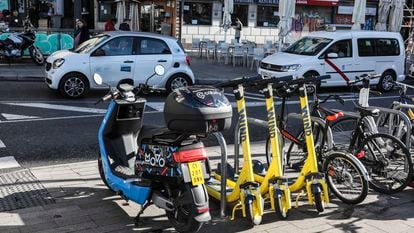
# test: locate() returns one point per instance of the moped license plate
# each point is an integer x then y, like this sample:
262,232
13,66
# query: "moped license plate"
196,173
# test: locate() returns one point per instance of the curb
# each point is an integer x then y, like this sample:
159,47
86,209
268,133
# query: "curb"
22,78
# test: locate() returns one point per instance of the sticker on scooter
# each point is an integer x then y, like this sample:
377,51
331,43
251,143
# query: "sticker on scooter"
306,121
242,126
272,122
155,158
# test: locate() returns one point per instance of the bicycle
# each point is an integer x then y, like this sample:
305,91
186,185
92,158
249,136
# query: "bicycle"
345,175
385,156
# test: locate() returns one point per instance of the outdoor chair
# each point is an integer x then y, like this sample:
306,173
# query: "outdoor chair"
195,45
211,48
223,51
250,52
258,56
238,52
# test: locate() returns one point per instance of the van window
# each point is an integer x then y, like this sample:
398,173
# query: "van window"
343,48
387,47
308,46
366,47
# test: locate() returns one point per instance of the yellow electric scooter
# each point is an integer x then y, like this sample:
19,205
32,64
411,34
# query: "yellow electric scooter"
243,192
309,177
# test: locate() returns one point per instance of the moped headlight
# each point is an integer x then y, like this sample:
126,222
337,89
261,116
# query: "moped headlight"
58,63
289,68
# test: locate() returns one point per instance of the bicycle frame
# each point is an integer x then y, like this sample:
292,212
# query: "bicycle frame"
245,183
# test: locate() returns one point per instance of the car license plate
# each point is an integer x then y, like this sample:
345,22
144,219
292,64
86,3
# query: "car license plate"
196,173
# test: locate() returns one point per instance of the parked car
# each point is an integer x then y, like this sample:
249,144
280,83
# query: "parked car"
119,55
343,55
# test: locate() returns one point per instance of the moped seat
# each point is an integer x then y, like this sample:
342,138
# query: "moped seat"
367,111
158,134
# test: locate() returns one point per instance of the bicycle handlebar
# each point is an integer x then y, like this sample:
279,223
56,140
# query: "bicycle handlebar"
237,81
312,79
363,77
275,80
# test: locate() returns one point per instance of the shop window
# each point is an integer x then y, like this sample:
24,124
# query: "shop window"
241,12
267,16
120,46
343,48
366,47
153,46
197,13
107,10
389,47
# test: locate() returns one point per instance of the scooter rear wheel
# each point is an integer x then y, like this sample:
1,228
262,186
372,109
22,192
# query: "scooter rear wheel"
102,174
183,216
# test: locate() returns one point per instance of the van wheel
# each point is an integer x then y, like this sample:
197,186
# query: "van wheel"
385,83
73,85
177,81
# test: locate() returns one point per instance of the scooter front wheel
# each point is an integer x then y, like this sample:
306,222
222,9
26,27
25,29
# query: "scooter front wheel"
281,212
251,217
317,198
102,174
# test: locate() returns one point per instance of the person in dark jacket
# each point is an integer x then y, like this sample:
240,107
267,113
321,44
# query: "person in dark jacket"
14,20
125,25
81,33
34,16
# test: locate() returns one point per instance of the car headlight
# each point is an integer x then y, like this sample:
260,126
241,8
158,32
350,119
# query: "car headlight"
58,63
288,68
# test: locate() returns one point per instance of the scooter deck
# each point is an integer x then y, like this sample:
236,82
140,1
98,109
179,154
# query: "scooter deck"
216,186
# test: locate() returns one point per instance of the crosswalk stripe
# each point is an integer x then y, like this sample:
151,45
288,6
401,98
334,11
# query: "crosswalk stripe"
12,117
8,162
60,107
2,144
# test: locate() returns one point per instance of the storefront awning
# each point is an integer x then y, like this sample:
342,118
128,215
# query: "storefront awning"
318,2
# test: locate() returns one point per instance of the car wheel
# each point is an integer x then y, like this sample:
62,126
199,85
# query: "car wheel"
385,83
177,81
73,85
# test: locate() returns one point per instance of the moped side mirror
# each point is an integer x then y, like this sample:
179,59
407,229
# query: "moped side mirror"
159,70
97,79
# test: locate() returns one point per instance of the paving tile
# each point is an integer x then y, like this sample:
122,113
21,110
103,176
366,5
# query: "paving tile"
38,227
394,226
9,230
71,228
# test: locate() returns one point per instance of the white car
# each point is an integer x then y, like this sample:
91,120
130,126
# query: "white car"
119,56
343,55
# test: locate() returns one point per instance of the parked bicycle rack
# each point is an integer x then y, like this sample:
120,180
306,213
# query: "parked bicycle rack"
223,198
398,106
264,124
392,113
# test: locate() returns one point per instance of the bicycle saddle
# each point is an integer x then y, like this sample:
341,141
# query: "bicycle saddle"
367,111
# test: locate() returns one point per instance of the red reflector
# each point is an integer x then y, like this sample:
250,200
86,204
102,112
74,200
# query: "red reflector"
361,154
202,210
335,116
184,156
187,59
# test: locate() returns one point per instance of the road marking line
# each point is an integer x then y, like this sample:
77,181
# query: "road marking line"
8,162
60,107
159,106
2,144
17,117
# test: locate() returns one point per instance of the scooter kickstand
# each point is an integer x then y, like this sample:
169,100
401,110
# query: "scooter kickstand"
136,219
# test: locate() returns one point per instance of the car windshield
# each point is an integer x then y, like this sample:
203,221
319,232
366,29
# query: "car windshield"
88,45
308,46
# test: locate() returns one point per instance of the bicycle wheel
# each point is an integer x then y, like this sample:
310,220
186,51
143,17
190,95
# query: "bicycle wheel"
297,154
387,160
342,131
345,177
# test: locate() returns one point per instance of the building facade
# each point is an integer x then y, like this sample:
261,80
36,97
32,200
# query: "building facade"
203,18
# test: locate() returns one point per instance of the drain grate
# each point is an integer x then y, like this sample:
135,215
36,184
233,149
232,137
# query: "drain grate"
20,189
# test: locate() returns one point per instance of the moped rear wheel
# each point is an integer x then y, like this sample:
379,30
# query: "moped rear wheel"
183,215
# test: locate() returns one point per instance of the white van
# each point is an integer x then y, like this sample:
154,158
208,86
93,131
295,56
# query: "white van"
343,55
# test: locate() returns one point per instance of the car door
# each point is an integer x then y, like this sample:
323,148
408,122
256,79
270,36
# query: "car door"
339,62
365,60
114,60
151,52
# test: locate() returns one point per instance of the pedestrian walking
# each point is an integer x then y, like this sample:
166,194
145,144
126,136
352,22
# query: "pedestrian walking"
238,29
34,16
110,25
50,13
125,25
81,33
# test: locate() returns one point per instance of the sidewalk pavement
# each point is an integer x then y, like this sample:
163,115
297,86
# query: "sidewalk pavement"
79,202
206,72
